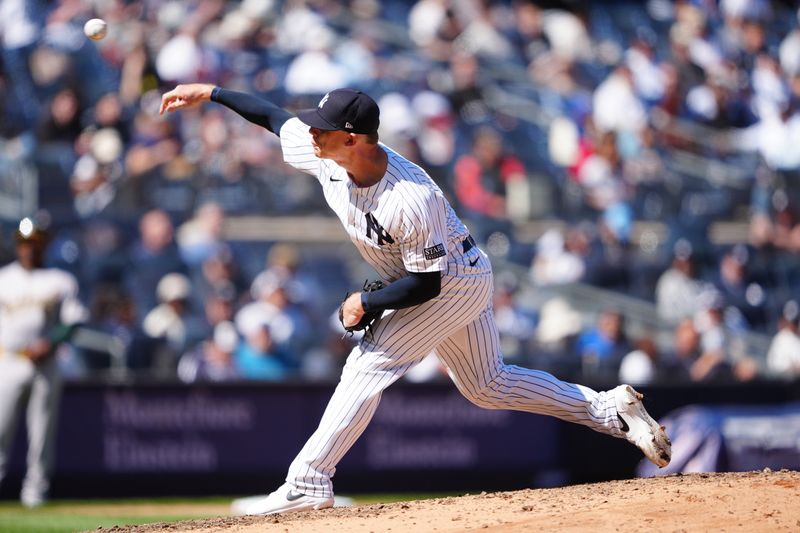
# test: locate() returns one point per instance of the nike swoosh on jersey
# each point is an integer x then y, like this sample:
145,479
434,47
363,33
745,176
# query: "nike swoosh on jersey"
334,179
472,263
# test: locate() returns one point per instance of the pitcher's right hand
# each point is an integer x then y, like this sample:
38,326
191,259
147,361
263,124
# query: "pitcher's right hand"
185,96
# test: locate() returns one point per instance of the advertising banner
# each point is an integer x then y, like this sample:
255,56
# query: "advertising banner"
109,430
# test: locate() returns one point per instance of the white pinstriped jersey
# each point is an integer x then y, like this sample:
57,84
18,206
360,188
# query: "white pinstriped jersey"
404,224
401,224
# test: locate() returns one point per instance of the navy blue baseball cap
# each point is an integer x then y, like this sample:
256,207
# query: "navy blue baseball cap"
343,109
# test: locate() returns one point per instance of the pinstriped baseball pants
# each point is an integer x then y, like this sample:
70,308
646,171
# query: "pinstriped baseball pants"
459,326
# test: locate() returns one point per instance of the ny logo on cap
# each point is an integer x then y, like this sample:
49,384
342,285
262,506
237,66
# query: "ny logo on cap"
324,99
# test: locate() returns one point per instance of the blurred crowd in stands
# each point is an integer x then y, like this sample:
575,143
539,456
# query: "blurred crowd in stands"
647,148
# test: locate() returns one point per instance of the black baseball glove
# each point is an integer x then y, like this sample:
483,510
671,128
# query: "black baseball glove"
368,318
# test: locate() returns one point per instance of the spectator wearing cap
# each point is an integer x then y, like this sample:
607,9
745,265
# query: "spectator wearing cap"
298,297
678,288
94,179
283,260
212,359
169,321
783,356
289,325
258,357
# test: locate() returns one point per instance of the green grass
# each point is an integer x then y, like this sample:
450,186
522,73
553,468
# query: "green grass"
68,516
46,522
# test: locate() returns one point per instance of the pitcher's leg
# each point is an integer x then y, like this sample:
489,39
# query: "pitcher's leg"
346,417
399,341
473,357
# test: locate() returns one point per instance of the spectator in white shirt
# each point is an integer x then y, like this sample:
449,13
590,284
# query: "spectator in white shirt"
783,356
678,289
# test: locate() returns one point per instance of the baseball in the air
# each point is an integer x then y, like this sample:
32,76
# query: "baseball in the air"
95,29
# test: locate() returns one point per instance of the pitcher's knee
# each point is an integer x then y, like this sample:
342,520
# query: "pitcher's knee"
485,397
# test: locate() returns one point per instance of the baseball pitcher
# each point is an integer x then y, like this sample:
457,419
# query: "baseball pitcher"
436,292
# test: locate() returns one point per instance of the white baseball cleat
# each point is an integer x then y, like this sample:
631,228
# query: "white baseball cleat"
639,427
31,500
284,500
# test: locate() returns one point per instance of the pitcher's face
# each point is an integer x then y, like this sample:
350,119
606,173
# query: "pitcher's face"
329,144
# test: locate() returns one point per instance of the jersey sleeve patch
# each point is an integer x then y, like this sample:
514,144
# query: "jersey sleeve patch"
434,252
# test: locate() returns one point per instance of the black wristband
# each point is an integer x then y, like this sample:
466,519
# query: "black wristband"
214,93
365,301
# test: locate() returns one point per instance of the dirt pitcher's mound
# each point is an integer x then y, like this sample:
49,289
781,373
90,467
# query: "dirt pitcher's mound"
750,501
